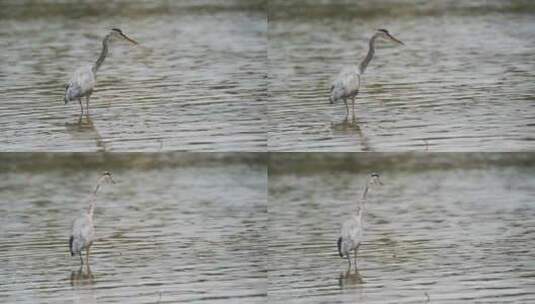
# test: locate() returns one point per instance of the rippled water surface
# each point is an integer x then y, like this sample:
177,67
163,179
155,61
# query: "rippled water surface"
432,235
463,82
165,234
196,82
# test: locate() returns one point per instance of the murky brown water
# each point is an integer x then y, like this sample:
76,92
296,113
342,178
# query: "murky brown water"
460,230
196,82
463,82
167,232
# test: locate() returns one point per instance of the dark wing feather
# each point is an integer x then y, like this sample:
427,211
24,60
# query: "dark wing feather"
70,245
340,247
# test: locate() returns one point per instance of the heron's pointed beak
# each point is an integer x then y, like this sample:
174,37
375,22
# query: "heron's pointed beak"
396,40
111,180
378,181
129,39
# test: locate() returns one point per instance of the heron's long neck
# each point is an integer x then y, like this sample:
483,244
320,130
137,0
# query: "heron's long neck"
365,193
91,208
362,203
371,51
103,54
93,198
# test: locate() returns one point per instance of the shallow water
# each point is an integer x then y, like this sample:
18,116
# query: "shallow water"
196,82
432,235
462,82
165,234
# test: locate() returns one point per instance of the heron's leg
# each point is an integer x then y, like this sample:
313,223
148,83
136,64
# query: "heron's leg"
87,104
347,107
81,106
87,250
353,104
81,259
356,251
349,261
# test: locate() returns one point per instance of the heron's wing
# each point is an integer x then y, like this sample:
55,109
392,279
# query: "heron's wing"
337,89
351,83
346,83
350,227
82,232
350,235
73,90
82,82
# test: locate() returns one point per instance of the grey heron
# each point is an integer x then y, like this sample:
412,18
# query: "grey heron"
351,232
83,80
83,229
347,84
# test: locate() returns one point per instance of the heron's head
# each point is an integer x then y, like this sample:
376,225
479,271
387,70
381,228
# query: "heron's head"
386,35
117,33
106,176
375,180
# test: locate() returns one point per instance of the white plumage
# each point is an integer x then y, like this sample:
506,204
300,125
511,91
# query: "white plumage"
350,235
82,233
81,84
346,84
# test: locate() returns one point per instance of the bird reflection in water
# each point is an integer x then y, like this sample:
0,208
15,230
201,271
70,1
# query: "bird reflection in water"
84,129
352,126
84,122
82,282
348,279
347,125
82,278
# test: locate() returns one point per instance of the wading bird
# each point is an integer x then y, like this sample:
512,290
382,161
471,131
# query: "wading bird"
83,229
351,232
347,83
84,78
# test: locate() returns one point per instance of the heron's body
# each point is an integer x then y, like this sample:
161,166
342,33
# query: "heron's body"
83,228
346,85
81,84
83,80
350,235
82,235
